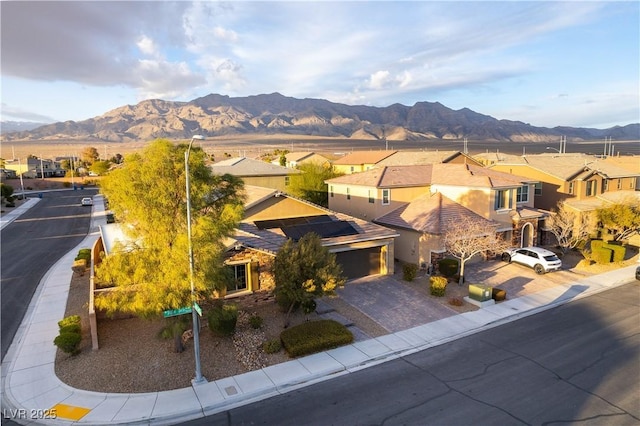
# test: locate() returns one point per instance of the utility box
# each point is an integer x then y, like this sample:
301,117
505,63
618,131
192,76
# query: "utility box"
479,292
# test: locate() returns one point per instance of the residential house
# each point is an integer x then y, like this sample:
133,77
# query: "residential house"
359,161
35,167
578,179
295,159
271,217
256,172
408,158
8,174
387,193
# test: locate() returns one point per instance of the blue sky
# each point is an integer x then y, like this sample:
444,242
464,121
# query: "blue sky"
544,63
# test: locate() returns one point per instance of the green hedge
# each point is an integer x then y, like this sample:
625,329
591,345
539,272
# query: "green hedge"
409,271
601,255
315,336
618,251
448,267
437,286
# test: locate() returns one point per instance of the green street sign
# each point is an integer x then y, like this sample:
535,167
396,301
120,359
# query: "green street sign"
176,312
197,308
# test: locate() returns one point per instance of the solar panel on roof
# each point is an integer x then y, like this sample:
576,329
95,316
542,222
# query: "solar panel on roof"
291,221
323,229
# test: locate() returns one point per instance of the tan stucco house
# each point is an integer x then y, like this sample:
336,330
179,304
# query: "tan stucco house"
255,172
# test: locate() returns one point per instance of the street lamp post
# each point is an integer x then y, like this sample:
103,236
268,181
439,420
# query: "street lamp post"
555,149
196,326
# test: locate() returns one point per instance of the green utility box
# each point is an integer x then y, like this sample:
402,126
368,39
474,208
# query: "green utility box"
480,292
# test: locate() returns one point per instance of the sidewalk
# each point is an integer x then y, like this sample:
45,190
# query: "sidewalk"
30,386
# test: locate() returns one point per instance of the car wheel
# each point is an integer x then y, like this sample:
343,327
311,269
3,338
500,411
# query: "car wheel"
506,257
539,269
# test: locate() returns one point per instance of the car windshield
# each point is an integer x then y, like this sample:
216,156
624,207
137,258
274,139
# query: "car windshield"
551,258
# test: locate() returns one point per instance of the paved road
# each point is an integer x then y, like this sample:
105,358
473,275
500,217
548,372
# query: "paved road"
577,363
31,245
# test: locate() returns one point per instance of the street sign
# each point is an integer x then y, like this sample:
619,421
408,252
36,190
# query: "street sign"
176,312
197,308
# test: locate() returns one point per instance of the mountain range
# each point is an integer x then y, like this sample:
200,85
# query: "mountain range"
277,115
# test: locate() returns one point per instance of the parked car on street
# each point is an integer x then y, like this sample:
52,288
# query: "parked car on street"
86,201
541,260
638,273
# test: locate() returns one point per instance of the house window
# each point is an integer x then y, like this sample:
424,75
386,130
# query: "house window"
571,189
331,191
502,200
538,188
591,188
522,196
286,181
238,278
348,194
619,183
352,169
370,192
605,185
386,195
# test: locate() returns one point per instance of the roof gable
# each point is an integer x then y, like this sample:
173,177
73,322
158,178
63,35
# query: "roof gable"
243,166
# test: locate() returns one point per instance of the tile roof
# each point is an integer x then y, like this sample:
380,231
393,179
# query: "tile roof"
567,166
428,213
431,174
474,176
242,166
407,158
270,240
604,200
363,157
389,177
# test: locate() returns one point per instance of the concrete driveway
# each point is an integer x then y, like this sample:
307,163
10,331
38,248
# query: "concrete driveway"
396,306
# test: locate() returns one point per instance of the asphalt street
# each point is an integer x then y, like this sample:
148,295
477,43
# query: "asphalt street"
31,245
577,363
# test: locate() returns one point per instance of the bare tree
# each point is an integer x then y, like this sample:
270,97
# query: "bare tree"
468,236
568,226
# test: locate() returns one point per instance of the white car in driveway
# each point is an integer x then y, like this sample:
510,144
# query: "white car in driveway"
539,259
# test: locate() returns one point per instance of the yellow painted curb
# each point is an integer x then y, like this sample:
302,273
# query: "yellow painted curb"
69,411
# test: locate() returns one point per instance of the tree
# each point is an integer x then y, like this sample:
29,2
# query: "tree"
467,236
151,271
100,167
621,219
569,227
89,155
303,271
309,185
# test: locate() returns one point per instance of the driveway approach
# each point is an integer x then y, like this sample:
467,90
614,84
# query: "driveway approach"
391,303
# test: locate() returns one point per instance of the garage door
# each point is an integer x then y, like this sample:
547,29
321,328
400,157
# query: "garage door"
360,263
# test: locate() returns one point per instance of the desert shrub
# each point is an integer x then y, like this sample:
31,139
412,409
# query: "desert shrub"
498,294
84,253
255,321
456,301
437,286
409,271
68,342
71,328
223,319
272,346
448,267
79,266
70,320
315,336
66,184
596,244
70,335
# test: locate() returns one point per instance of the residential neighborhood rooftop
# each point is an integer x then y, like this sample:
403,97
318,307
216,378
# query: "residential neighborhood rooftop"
242,166
363,157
